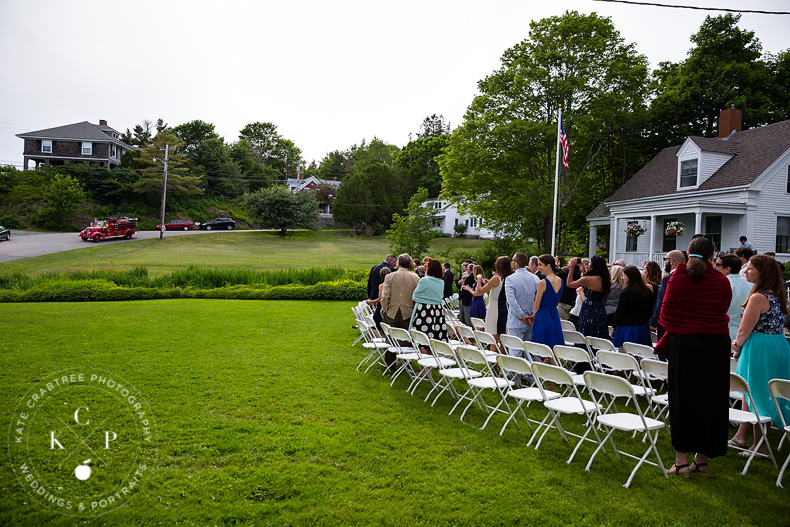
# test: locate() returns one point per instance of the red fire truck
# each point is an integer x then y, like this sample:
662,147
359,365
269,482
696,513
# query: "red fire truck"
110,228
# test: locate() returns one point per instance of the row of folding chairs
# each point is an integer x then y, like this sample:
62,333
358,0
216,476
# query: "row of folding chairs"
476,359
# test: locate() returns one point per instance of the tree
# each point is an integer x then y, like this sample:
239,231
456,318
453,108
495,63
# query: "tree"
433,126
179,182
269,149
724,67
335,165
499,164
418,160
62,197
370,196
375,152
193,133
412,233
276,207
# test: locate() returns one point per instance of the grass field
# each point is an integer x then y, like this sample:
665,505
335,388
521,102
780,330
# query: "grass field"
238,249
261,419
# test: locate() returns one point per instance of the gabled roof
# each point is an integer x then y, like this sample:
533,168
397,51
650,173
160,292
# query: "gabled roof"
301,184
753,151
83,131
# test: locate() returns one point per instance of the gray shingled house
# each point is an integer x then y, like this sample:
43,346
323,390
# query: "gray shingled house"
736,184
79,142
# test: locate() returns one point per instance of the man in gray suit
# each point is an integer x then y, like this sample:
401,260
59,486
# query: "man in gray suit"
520,290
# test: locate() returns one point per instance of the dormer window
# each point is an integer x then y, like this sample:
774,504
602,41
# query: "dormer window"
688,173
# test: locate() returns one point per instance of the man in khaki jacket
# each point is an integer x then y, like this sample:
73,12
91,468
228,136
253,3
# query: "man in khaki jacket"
396,302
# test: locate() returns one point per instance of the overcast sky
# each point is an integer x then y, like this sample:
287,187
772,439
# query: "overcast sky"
327,74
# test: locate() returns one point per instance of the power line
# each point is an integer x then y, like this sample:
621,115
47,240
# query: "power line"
699,8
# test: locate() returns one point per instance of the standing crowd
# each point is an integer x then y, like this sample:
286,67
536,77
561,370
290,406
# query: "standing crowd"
705,309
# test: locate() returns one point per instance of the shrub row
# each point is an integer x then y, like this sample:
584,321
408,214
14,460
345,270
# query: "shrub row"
97,290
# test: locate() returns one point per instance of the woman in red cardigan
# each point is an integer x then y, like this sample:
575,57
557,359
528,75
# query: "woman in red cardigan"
697,344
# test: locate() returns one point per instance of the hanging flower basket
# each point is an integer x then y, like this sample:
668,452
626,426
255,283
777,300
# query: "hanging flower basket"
634,229
674,228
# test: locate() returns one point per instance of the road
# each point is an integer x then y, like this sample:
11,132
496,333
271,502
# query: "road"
27,244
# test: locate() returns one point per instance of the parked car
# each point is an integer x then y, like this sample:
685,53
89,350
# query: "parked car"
5,234
177,225
218,224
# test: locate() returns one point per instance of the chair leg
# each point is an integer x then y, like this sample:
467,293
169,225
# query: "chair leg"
781,472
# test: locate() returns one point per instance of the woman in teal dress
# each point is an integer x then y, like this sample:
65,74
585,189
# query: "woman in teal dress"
760,345
547,328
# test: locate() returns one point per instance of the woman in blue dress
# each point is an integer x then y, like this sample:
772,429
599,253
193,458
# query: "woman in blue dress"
760,346
547,328
632,317
596,285
478,307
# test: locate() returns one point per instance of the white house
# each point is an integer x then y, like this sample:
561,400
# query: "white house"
446,217
735,185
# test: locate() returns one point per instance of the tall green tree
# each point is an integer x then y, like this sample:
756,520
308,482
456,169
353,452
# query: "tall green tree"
179,181
419,160
276,207
499,164
370,196
335,165
413,231
270,150
375,152
433,126
62,197
725,66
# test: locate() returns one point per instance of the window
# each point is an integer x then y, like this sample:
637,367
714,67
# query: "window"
670,242
783,234
456,221
46,145
713,229
631,242
87,149
788,179
114,151
688,173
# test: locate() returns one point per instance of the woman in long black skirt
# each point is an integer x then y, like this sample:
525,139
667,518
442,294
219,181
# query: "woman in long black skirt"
694,314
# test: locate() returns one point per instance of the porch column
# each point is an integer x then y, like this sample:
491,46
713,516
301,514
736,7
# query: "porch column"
698,223
593,240
652,235
613,239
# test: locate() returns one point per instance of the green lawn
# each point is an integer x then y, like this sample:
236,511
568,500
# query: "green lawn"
247,250
261,419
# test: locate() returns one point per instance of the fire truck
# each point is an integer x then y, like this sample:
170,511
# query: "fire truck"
111,228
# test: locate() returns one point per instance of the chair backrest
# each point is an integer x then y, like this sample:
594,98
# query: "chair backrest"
370,321
733,365
550,373
399,334
511,341
780,389
608,384
421,339
599,344
466,333
567,324
616,361
638,350
541,350
442,348
573,337
513,364
477,323
655,368
738,384
470,354
485,339
570,354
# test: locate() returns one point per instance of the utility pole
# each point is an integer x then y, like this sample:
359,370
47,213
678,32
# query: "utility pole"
164,193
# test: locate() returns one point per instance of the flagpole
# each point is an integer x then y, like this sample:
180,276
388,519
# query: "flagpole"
556,184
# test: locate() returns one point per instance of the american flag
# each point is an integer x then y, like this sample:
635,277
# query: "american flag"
564,143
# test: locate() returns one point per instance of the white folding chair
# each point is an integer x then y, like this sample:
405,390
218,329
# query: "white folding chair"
627,364
567,324
518,366
511,342
616,387
570,356
541,351
448,373
484,342
472,359
427,361
478,323
376,345
573,404
739,384
573,337
657,370
466,334
596,343
780,393
403,353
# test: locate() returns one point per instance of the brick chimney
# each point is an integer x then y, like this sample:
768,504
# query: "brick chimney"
730,120
102,122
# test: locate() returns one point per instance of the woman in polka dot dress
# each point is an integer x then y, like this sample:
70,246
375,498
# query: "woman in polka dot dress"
427,315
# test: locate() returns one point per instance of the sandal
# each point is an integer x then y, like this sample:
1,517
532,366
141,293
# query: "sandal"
675,469
696,467
734,443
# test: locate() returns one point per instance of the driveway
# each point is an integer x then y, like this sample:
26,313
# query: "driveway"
26,244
